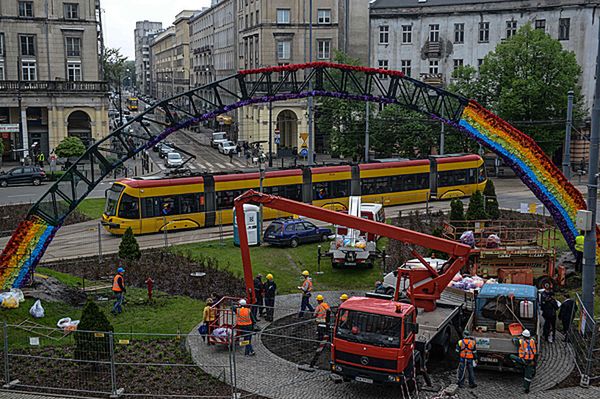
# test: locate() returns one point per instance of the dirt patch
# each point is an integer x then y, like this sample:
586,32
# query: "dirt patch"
49,289
12,215
170,272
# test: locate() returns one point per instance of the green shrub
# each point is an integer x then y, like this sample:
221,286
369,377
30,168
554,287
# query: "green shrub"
129,249
92,338
70,147
491,201
476,209
457,210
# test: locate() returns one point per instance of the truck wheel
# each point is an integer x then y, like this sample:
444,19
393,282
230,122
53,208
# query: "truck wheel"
294,242
409,376
545,282
324,237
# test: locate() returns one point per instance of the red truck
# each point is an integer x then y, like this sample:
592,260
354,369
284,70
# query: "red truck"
379,338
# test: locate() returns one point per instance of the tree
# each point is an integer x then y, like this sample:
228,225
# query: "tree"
113,65
525,81
491,201
457,210
129,249
70,147
88,344
476,210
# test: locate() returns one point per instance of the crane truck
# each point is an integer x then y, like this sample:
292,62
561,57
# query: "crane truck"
379,338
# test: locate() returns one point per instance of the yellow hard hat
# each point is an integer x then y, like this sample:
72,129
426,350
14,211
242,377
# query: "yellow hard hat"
344,297
319,297
269,276
305,273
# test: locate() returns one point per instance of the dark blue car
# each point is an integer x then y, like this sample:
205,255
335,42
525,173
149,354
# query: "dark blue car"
293,232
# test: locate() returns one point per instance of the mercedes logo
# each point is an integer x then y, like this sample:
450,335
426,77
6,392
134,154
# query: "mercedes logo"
364,360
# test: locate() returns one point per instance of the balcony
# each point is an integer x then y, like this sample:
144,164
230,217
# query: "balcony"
54,86
433,49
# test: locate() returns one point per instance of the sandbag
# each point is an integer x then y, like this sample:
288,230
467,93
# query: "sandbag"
10,302
37,310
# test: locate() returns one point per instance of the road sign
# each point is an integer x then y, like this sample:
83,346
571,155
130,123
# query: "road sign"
304,153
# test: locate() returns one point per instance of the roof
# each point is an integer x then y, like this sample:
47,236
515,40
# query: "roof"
381,4
518,290
375,305
148,183
457,158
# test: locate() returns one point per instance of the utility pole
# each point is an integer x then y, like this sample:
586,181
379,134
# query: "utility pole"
311,133
22,115
270,134
367,105
442,139
566,164
589,246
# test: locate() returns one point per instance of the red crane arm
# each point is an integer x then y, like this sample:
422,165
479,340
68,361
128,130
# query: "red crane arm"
454,249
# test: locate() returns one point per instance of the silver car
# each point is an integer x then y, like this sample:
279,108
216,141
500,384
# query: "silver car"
173,160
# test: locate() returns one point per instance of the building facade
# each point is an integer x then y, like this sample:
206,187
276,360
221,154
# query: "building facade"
50,78
143,34
429,39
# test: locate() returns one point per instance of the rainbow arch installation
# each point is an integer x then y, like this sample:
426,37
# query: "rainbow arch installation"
319,79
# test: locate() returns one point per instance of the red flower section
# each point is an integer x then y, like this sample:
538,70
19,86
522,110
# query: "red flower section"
296,67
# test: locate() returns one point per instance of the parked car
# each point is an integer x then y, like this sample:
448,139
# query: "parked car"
227,147
23,175
173,160
293,232
164,150
218,137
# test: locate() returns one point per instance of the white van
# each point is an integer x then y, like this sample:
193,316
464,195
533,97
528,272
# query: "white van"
218,137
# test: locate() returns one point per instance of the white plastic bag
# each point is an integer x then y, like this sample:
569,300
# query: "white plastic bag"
18,294
37,310
67,324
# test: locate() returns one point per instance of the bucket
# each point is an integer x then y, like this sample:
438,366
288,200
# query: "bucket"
515,329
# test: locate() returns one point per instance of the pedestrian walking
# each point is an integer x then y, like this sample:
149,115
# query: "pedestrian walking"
321,313
566,312
270,292
579,241
526,359
119,290
259,292
306,289
245,323
230,157
209,315
467,351
238,150
549,308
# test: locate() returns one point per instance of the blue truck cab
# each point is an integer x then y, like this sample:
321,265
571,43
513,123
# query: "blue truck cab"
497,308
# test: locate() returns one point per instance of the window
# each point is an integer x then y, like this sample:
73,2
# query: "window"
434,66
323,49
292,191
331,189
290,228
129,207
457,177
2,77
405,67
324,16
564,25
71,10
384,34
484,32
458,63
225,198
74,72
511,28
459,33
257,19
2,45
383,64
408,325
284,50
392,184
479,62
434,33
283,16
406,34
27,45
73,45
26,9
540,24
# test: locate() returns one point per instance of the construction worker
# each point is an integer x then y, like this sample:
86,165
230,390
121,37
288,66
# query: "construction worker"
270,292
566,313
306,289
549,308
467,351
259,291
343,298
244,322
379,287
321,316
526,358
41,158
119,291
579,240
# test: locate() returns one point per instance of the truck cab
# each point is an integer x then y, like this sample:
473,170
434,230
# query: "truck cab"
501,313
373,341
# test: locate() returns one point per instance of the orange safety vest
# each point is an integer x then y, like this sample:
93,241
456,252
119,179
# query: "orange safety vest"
321,312
467,347
115,286
307,285
243,317
527,349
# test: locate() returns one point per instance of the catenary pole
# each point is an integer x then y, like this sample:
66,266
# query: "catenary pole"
566,164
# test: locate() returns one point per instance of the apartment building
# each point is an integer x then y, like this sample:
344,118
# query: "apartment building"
143,35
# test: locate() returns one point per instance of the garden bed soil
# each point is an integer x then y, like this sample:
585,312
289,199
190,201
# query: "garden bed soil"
12,215
171,273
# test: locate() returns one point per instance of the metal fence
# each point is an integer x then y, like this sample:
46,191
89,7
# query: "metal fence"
583,334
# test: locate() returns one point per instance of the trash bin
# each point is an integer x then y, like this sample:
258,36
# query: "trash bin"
253,225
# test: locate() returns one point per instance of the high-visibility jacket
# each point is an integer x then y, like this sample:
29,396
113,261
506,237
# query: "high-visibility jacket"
41,157
527,349
321,312
243,317
116,286
579,243
307,285
467,348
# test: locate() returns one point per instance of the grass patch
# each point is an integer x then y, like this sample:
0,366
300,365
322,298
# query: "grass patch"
92,207
285,264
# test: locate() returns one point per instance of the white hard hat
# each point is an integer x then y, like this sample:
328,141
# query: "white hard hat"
526,333
243,302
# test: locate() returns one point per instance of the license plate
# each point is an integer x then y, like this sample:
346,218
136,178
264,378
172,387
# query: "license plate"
271,236
488,359
350,263
365,380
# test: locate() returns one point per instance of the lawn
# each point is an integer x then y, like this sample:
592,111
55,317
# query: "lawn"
286,265
92,207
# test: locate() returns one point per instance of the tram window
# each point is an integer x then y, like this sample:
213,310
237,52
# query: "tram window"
455,177
150,207
292,191
321,191
188,203
331,189
225,198
129,207
169,206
